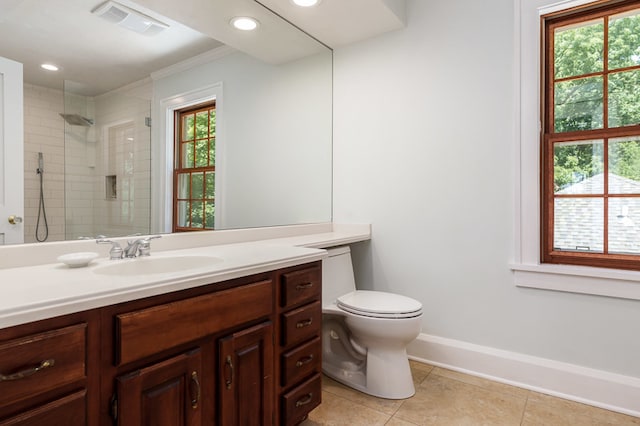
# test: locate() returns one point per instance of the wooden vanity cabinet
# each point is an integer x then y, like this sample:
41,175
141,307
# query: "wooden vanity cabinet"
245,383
169,356
240,352
45,372
299,350
167,393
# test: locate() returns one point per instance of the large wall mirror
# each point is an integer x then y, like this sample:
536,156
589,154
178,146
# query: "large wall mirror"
99,134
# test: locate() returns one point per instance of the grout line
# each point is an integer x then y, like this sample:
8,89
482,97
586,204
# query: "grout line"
526,403
497,391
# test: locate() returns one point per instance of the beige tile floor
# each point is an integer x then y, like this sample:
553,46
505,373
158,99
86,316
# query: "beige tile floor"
445,397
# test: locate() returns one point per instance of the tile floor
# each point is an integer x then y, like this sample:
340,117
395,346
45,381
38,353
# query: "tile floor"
445,397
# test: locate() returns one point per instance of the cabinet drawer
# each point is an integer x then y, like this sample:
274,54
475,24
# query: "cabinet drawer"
300,362
41,362
70,410
300,286
153,330
301,324
297,403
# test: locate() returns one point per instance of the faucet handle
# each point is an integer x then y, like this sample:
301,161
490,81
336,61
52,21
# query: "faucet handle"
116,251
144,249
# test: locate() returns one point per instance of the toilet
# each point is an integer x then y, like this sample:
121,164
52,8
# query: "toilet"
365,333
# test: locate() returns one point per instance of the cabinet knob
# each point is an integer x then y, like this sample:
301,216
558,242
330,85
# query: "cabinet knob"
28,372
304,286
195,390
304,360
229,364
304,323
304,400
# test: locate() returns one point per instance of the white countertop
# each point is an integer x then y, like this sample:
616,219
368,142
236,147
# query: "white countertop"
49,289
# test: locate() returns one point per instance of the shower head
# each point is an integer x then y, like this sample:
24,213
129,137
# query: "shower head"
77,120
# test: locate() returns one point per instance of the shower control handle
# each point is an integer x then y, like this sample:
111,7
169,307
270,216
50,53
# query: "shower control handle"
40,163
14,220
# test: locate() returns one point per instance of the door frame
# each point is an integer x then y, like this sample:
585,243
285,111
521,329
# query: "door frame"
12,155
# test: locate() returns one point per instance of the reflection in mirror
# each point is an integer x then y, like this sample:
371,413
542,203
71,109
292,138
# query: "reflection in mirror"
107,163
106,135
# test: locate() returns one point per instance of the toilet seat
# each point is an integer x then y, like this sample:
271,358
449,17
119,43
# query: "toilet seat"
379,304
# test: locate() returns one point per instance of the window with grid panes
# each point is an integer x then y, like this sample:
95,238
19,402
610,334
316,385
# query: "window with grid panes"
194,174
591,136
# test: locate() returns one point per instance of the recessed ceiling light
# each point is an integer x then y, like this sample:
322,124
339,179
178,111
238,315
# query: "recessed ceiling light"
49,67
244,23
305,3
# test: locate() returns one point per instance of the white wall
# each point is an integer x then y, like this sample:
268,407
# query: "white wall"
423,150
277,128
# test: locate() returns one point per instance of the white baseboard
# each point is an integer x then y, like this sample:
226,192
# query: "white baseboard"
599,388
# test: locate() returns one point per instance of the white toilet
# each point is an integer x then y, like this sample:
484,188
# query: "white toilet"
365,333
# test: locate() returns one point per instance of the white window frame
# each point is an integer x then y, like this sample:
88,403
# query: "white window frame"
526,266
162,164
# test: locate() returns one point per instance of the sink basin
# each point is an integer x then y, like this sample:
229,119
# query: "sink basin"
156,265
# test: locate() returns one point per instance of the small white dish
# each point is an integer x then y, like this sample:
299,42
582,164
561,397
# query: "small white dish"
78,260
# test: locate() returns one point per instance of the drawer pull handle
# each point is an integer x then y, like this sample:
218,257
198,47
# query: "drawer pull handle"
304,361
195,390
304,286
304,400
304,323
28,372
229,364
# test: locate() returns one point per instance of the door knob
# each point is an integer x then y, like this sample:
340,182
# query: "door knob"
14,220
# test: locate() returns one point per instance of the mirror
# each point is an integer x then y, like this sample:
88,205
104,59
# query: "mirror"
273,98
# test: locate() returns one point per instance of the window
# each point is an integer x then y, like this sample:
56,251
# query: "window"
194,174
590,209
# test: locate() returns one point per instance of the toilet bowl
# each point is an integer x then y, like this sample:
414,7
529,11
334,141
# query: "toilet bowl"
365,333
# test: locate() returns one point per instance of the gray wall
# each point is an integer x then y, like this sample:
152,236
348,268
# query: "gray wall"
424,150
277,136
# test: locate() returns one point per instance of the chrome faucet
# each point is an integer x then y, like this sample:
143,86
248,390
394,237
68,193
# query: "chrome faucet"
139,247
116,251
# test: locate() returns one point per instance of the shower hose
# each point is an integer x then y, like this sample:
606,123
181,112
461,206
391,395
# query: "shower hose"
41,212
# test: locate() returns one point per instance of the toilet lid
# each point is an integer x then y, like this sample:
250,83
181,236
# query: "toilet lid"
379,304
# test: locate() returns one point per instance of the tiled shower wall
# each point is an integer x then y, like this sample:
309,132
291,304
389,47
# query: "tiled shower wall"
43,132
80,160
88,211
125,155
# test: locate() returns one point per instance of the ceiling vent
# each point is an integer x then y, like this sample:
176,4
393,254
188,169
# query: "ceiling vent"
128,18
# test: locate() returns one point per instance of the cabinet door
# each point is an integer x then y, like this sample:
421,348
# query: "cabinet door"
164,394
246,377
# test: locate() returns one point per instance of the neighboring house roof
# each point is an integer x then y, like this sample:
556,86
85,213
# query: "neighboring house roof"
578,223
595,185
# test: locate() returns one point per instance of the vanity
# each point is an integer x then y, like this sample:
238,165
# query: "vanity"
234,343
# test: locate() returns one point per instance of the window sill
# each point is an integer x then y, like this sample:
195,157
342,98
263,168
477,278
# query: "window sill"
579,279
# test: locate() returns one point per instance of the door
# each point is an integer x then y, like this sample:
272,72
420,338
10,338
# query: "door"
246,377
164,394
11,153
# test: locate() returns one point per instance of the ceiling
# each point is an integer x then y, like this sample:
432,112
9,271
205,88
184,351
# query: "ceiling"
340,22
99,56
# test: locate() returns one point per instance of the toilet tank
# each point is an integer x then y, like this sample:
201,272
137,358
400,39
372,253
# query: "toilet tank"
337,274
